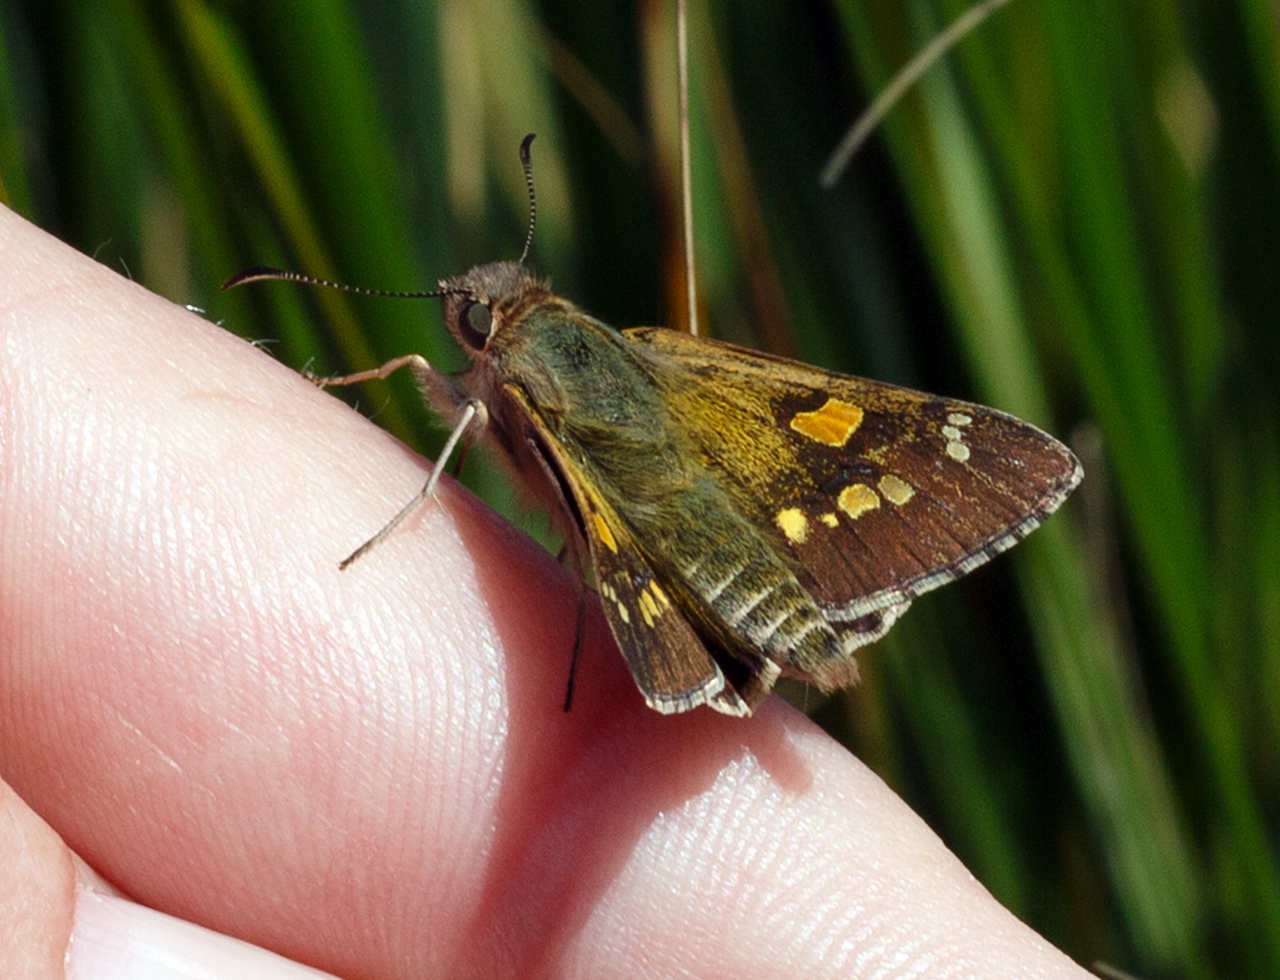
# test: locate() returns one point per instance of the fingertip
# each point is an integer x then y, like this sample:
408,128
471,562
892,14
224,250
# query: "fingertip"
37,882
115,939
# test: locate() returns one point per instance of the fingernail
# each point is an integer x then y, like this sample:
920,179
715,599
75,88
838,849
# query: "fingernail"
115,939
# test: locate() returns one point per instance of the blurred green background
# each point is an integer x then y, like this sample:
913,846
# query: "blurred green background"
1074,218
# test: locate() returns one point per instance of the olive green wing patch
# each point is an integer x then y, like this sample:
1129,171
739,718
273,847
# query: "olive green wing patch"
672,667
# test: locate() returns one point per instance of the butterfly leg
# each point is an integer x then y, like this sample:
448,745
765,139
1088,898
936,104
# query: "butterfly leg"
426,376
577,647
416,363
460,459
565,556
472,412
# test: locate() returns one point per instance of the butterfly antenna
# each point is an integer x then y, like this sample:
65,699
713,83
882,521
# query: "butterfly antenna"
263,273
526,161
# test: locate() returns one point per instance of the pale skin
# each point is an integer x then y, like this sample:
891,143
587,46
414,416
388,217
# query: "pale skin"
369,770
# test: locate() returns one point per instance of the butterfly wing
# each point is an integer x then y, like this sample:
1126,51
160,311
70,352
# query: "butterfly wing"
670,663
877,492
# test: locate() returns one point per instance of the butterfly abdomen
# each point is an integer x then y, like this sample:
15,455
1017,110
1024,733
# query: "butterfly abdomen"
744,596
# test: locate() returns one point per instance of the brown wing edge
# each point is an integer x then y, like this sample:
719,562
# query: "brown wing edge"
900,596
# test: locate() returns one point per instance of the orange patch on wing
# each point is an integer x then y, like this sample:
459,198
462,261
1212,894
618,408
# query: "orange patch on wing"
832,424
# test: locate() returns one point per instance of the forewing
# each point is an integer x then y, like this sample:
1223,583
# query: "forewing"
670,664
879,493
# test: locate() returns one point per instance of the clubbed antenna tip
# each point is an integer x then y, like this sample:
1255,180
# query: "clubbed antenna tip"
526,161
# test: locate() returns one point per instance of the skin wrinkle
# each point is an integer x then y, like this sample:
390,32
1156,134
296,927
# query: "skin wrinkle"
800,940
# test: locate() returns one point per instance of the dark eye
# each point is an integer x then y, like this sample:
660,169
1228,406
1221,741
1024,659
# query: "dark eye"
475,324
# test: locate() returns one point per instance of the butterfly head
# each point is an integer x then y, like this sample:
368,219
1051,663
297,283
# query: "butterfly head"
488,301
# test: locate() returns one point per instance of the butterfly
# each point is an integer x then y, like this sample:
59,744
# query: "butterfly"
742,516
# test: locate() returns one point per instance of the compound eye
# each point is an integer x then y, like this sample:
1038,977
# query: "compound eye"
476,324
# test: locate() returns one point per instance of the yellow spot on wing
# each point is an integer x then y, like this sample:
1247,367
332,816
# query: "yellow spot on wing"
648,608
792,523
603,532
830,520
659,596
857,499
895,490
958,451
831,425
